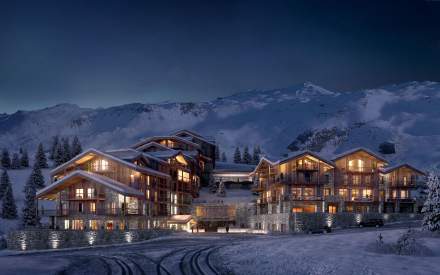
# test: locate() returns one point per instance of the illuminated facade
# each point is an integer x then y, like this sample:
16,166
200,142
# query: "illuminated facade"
355,181
140,187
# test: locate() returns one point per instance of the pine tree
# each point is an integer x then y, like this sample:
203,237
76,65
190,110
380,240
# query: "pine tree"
9,209
4,183
66,150
247,158
76,147
224,159
221,191
24,160
256,155
37,177
30,214
431,207
237,155
53,147
217,152
15,164
59,155
6,160
40,157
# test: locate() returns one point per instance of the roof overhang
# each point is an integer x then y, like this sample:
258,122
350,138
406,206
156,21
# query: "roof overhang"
49,192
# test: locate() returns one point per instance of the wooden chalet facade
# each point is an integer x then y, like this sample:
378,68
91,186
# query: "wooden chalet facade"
355,181
139,187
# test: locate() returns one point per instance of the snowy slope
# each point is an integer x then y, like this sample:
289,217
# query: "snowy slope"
407,114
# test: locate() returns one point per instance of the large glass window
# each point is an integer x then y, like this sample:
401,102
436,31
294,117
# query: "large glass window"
367,193
79,193
403,194
100,165
308,192
90,193
92,207
296,192
343,192
183,176
77,224
356,179
354,194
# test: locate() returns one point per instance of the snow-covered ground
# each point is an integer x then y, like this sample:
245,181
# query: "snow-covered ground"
18,180
337,253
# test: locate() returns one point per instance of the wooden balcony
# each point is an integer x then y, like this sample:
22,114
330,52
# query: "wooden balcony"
305,198
307,167
97,212
401,183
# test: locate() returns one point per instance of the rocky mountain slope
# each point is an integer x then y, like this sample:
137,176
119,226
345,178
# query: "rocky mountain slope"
298,117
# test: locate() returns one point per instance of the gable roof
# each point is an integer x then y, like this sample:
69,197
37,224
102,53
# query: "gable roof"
262,160
154,138
306,152
194,134
152,144
129,154
107,182
352,151
390,169
95,152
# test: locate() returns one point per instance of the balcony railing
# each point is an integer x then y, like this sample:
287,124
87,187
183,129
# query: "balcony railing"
305,198
98,212
401,183
311,166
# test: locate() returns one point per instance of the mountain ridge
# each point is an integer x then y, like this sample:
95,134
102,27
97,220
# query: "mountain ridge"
404,114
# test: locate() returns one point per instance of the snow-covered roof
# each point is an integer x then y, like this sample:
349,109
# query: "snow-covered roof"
152,144
107,182
303,153
93,151
352,151
154,138
267,159
389,169
131,154
233,167
194,134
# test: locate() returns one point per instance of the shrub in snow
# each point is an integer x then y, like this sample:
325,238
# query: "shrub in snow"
9,209
24,159
407,244
237,155
431,207
15,164
5,160
40,157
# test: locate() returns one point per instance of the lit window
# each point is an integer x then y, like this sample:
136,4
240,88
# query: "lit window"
343,192
356,179
403,194
77,224
100,165
354,194
296,192
308,192
79,193
394,194
183,176
148,193
93,224
332,209
66,224
405,180
92,207
367,193
90,192
327,192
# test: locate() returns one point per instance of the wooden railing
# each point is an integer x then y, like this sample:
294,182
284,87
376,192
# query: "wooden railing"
99,212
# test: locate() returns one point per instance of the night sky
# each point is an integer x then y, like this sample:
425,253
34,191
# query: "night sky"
103,53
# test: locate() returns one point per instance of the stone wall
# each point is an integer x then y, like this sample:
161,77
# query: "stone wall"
302,222
55,239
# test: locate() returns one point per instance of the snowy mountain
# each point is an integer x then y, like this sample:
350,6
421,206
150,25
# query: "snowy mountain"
302,116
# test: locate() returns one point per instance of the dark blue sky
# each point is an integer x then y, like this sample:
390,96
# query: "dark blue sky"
101,53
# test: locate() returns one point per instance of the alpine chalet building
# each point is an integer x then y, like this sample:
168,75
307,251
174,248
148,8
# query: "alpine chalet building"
139,187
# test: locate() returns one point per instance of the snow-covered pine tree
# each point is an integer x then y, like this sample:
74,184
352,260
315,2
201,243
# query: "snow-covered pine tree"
6,160
9,209
15,164
431,207
247,158
4,183
53,147
37,177
224,159
256,155
67,152
221,191
30,214
237,155
59,155
40,157
217,152
24,159
76,147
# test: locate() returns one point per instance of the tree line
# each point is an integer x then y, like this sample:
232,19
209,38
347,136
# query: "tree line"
239,157
60,152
